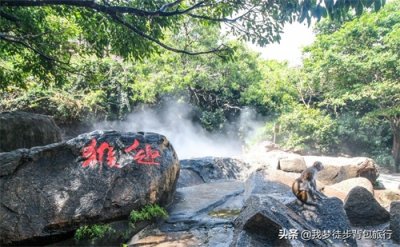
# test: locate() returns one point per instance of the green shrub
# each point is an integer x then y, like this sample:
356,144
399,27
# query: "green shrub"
148,213
92,232
307,129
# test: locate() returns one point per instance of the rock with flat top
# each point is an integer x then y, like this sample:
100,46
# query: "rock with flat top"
292,163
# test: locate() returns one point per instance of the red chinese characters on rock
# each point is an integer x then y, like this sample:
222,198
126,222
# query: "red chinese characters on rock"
94,155
144,156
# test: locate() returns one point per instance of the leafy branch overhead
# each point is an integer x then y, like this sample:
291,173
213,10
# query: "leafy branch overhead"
135,28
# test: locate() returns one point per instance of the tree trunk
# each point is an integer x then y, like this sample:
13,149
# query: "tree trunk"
395,124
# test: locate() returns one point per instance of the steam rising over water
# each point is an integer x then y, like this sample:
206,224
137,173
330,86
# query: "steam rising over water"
174,120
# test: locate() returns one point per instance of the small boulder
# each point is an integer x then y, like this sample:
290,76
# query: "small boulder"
362,209
26,130
395,220
94,178
292,163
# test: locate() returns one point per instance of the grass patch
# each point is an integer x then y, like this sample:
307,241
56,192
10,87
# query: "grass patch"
92,232
148,213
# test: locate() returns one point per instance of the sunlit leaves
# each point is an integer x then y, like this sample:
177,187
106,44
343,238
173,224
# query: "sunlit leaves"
357,66
48,36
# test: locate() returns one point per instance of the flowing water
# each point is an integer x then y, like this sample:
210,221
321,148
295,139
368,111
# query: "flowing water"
390,181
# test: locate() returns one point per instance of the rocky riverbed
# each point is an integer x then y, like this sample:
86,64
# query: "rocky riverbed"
49,191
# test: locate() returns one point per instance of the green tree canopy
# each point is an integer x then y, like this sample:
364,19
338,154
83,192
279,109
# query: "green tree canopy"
36,36
357,69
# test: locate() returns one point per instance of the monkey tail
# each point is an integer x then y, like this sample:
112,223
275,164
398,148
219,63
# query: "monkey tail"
296,189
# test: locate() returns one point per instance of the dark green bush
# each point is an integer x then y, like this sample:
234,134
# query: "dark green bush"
92,232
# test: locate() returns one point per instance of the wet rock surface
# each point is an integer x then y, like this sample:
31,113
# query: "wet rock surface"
201,215
237,213
209,169
96,177
261,183
26,130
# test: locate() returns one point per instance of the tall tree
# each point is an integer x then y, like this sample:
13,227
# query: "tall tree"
358,69
37,35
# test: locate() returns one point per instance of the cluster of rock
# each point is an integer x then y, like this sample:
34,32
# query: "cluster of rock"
226,202
255,211
101,176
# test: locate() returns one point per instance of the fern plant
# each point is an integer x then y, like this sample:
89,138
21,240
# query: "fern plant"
92,232
148,213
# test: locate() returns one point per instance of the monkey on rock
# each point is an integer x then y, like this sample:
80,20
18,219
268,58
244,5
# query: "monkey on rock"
305,187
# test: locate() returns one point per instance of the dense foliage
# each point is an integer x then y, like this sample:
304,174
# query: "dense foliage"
357,70
42,38
79,65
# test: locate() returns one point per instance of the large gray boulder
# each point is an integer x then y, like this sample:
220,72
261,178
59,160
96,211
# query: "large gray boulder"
270,208
26,130
96,177
263,221
362,209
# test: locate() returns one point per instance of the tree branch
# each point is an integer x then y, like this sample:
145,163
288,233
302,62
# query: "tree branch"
169,5
232,107
209,18
148,37
18,40
91,4
114,12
